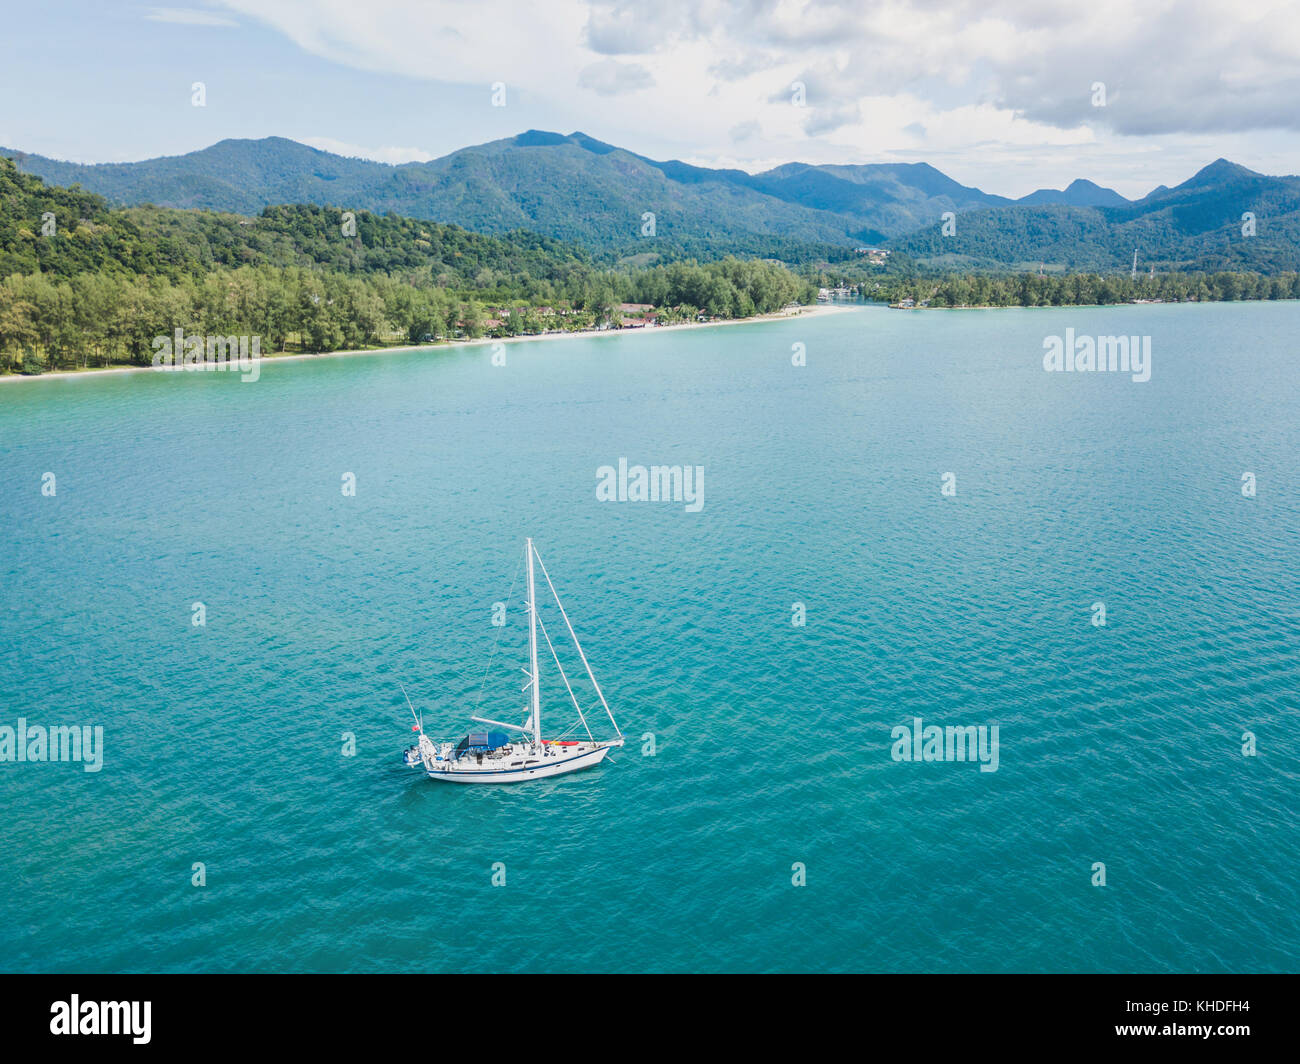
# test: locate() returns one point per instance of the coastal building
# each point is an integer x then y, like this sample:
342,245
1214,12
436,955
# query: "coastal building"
638,315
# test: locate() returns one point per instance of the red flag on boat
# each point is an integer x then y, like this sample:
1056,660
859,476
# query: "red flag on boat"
415,727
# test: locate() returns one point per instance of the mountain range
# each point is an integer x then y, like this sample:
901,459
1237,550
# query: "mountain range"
623,205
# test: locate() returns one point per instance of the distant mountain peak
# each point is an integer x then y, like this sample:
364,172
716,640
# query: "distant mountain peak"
1217,173
545,138
537,138
1078,193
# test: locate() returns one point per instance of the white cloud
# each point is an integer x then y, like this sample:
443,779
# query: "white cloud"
985,79
391,155
609,77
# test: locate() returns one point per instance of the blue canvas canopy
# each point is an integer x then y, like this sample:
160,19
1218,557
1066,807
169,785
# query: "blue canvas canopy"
477,741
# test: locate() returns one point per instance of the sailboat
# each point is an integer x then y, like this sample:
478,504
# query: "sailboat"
516,753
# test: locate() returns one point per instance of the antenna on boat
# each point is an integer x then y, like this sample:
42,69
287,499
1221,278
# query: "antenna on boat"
419,721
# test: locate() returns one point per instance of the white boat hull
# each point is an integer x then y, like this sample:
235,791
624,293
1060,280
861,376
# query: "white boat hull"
518,769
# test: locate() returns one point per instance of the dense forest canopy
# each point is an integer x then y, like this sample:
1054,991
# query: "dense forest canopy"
983,289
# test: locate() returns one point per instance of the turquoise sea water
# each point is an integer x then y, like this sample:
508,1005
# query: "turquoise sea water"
223,743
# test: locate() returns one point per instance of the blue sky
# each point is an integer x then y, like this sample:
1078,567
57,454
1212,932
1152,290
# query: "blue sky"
106,83
997,93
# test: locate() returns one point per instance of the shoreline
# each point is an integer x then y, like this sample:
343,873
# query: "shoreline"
803,312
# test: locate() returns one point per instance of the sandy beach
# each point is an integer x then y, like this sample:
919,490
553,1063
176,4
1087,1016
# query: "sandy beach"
805,312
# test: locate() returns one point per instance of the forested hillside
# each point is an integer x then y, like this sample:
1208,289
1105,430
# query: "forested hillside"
85,285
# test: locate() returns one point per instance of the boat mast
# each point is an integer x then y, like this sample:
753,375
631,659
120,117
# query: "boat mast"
532,650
